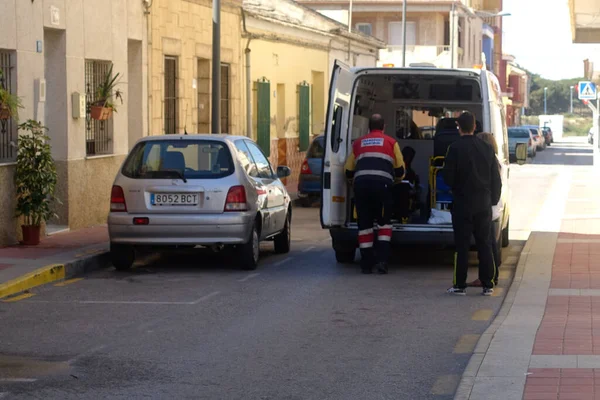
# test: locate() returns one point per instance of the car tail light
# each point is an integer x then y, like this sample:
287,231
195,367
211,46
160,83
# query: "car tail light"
530,142
236,199
305,170
117,200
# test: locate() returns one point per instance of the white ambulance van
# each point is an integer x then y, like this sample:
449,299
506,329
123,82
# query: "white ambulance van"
407,98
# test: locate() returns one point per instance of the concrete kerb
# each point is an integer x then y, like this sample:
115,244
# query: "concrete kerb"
467,382
53,273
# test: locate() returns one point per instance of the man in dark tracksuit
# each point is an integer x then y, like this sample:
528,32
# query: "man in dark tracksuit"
471,170
373,163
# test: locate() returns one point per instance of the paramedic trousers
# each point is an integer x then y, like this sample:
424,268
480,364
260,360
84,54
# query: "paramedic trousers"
467,224
374,204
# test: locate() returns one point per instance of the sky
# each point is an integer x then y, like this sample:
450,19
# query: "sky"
538,34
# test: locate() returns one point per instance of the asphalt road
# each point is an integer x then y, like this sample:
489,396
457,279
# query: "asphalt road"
190,326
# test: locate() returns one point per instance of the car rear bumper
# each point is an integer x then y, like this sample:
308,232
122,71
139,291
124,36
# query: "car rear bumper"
405,235
309,184
226,228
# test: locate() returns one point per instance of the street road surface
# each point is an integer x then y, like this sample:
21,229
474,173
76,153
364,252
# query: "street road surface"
191,326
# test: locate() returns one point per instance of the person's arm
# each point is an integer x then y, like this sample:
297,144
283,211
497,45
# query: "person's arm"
450,170
399,169
350,165
496,182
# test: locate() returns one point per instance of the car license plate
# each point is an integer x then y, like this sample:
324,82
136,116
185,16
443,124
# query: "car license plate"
174,199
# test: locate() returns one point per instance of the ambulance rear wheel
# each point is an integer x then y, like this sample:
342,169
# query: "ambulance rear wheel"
345,256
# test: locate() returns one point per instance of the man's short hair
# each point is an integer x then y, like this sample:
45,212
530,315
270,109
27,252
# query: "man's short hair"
466,122
376,123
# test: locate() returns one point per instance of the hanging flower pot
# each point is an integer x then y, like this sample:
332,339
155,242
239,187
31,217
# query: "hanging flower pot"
101,113
31,235
4,112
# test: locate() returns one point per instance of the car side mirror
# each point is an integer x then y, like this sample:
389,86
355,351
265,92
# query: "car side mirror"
521,153
283,171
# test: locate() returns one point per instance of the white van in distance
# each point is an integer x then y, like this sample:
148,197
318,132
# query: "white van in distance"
407,98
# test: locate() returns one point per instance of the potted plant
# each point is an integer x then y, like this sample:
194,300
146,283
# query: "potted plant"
9,103
104,105
35,180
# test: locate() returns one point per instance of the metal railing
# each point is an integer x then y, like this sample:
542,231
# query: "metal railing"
8,129
98,134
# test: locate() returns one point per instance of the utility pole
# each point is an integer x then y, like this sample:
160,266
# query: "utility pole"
571,94
350,17
216,69
545,109
404,33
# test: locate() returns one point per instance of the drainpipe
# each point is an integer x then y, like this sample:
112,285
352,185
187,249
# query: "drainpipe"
452,38
248,78
147,5
248,92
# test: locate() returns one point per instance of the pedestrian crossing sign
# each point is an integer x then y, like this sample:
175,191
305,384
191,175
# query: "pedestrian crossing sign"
587,91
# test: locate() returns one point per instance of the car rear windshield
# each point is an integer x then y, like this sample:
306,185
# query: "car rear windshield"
518,133
185,159
316,149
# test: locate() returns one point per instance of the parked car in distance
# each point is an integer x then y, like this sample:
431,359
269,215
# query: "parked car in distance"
186,190
309,182
547,132
427,132
538,137
520,135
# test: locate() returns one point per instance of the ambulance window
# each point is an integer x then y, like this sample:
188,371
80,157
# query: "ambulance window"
336,128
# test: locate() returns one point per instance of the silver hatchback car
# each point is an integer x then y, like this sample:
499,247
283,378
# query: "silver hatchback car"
189,190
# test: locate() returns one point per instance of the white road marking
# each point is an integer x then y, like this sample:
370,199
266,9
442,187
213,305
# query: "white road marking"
278,263
16,380
248,277
204,298
306,250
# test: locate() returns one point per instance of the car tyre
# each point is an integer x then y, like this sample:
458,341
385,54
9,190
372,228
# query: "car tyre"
283,241
505,235
122,256
345,256
249,252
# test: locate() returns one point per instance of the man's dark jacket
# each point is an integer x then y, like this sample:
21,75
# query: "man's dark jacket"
471,170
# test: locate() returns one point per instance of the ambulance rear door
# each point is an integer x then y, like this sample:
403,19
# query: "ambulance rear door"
334,190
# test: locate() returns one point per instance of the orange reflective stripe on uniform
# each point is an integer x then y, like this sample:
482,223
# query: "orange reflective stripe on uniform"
365,238
384,233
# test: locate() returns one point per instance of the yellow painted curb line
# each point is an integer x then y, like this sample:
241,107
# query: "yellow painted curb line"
47,274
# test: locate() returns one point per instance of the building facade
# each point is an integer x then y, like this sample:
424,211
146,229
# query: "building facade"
447,34
53,55
516,94
290,52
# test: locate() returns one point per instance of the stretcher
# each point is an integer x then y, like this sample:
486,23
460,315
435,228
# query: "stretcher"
440,193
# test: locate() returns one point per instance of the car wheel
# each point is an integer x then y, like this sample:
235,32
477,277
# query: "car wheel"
249,252
122,256
505,235
345,256
283,241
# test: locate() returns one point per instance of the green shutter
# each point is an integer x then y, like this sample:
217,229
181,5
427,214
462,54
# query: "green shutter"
263,115
304,115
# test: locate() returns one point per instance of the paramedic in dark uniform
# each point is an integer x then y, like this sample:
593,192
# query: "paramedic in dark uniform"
373,163
471,170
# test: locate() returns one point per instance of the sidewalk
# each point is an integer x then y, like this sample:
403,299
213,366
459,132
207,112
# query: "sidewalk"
545,341
57,257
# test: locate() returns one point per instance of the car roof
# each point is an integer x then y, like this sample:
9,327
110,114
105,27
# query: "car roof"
194,136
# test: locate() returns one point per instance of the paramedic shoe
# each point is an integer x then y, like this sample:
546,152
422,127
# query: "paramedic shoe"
487,291
457,292
475,283
382,268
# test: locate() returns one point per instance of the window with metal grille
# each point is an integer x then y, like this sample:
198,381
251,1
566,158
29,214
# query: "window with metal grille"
304,115
225,98
98,134
365,28
170,95
8,128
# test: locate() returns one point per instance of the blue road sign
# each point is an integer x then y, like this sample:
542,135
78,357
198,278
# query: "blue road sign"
587,91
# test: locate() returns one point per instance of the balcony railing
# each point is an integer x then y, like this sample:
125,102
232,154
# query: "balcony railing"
437,55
